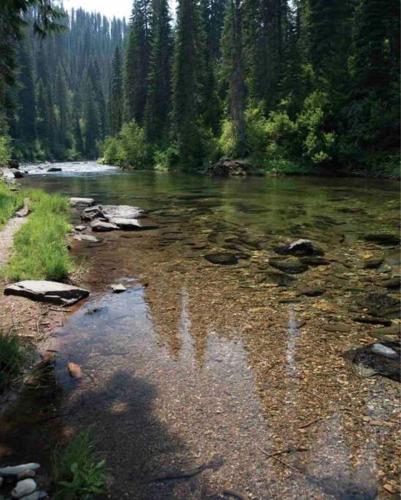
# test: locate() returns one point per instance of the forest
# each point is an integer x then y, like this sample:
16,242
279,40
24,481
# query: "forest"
290,86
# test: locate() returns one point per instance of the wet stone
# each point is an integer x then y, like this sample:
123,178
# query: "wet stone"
372,262
299,247
280,279
101,226
381,305
222,258
87,237
369,320
291,265
311,291
383,238
373,360
24,488
393,283
315,261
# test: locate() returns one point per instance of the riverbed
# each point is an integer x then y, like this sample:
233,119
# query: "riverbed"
236,368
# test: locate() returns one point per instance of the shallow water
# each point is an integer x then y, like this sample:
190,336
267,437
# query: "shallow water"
200,363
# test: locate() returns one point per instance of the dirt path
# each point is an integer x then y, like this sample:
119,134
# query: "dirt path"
7,237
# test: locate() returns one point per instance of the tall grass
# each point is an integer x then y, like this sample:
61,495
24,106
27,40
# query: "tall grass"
40,250
9,202
78,473
11,358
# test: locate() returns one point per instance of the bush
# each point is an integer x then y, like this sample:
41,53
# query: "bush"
11,358
128,148
40,250
5,150
77,471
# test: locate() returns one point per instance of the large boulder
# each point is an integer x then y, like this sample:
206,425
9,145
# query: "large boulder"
92,212
47,291
81,202
122,212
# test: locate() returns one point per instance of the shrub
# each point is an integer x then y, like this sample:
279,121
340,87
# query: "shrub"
9,202
78,473
11,358
128,148
5,150
40,250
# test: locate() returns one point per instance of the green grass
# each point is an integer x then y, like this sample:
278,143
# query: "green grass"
40,250
11,358
77,471
10,201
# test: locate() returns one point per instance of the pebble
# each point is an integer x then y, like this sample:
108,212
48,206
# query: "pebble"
26,474
74,370
24,488
80,227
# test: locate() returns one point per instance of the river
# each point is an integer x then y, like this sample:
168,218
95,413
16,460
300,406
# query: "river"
231,366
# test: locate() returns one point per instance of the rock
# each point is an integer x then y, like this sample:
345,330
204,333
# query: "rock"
299,248
226,167
74,370
385,351
54,169
87,237
311,291
315,261
388,330
383,238
280,279
291,265
17,173
372,262
47,291
381,305
393,283
36,495
26,474
133,224
122,212
80,227
100,226
81,202
91,213
337,327
369,320
222,258
13,164
24,211
14,470
118,287
373,360
23,488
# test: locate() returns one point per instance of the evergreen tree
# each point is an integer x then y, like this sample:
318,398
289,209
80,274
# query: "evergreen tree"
137,61
116,94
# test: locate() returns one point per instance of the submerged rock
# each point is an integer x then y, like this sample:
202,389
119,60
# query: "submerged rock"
122,212
23,488
101,226
372,262
14,470
393,283
311,291
223,259
281,279
47,291
291,265
87,237
133,224
315,261
383,238
381,305
377,359
299,247
81,202
54,169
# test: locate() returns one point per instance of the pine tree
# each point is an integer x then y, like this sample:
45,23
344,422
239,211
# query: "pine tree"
61,100
159,83
233,56
116,94
187,92
137,61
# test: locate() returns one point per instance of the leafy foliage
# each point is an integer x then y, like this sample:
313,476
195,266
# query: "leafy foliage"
78,473
128,148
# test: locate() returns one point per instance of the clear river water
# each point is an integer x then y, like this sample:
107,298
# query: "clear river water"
232,381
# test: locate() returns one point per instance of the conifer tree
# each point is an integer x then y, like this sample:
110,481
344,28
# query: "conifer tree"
116,94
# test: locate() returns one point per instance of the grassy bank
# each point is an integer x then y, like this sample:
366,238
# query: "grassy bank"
40,250
11,358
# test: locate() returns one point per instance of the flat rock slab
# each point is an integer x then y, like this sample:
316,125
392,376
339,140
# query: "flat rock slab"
87,237
383,238
81,202
133,224
47,291
118,288
122,212
101,226
222,259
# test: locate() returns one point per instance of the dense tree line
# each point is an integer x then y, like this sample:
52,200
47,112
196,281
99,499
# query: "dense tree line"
287,84
58,106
